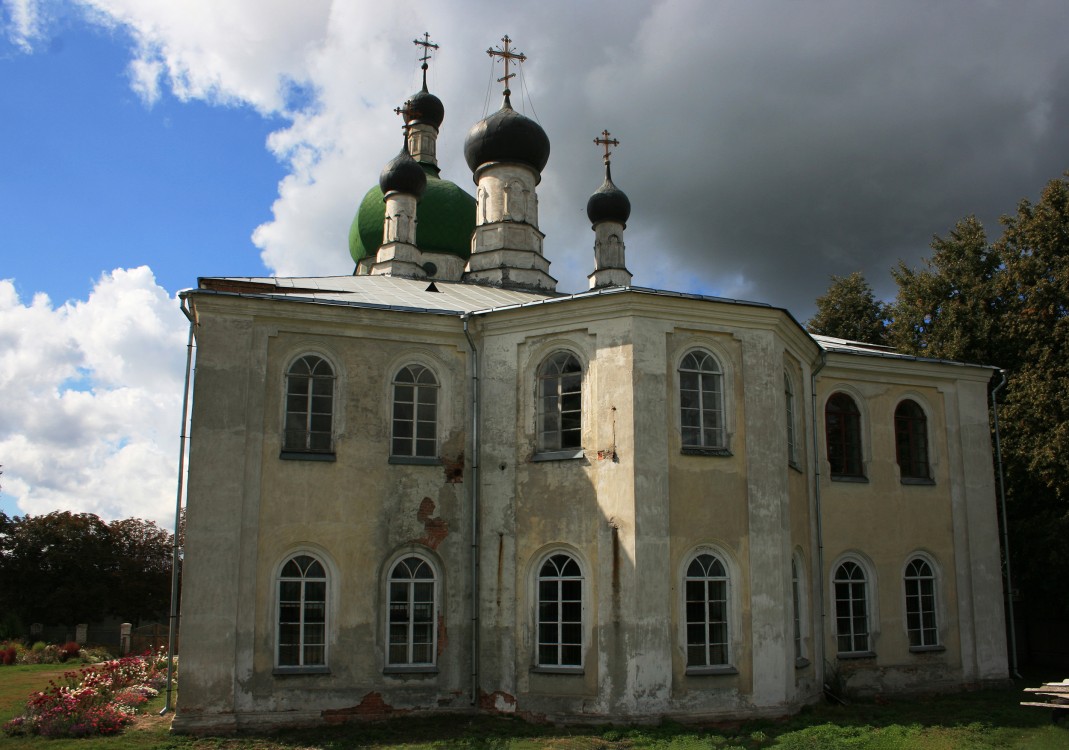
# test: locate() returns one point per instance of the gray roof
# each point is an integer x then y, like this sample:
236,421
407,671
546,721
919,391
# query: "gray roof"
389,292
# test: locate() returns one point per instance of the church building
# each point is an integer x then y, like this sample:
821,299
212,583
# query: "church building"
439,484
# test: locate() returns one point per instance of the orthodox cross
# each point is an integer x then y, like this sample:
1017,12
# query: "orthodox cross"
506,54
407,113
606,142
427,46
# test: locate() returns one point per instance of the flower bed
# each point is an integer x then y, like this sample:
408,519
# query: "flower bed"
96,700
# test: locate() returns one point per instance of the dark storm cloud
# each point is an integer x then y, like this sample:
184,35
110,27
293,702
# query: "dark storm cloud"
767,146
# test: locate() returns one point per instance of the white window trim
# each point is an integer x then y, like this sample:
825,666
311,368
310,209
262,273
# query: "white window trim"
940,613
734,622
337,414
436,568
331,602
871,605
538,359
800,585
412,458
727,402
538,560
864,427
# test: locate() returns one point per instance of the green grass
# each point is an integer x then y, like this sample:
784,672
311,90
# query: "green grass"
986,720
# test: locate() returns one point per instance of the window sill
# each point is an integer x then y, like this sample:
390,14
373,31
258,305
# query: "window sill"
695,450
565,455
416,460
801,662
305,456
295,671
711,671
849,478
937,649
796,466
419,669
918,480
557,670
850,655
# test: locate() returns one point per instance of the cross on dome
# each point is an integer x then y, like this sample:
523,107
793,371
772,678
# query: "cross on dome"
606,142
506,54
427,46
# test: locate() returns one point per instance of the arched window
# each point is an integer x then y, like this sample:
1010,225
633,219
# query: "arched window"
415,413
788,398
701,401
560,403
302,613
851,608
560,612
920,604
911,440
842,426
309,406
413,596
706,595
796,601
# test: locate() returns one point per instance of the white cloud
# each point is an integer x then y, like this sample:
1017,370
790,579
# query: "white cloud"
24,25
92,389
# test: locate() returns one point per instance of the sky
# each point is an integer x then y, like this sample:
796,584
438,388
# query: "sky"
765,146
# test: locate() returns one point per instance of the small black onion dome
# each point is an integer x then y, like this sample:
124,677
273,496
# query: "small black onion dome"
425,108
506,136
403,175
608,203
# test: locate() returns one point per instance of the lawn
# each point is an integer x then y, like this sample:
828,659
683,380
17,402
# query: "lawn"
973,721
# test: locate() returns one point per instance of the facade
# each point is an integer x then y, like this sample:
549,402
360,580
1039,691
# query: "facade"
440,485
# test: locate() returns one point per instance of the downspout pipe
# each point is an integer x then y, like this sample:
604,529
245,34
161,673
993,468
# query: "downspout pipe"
819,641
1005,527
475,453
175,547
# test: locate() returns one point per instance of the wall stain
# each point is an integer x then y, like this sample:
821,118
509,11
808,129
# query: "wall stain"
454,469
435,530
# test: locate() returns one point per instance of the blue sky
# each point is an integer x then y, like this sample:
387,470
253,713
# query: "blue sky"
764,147
94,179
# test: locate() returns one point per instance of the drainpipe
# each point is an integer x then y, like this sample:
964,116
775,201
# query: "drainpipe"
475,452
819,588
173,625
1005,528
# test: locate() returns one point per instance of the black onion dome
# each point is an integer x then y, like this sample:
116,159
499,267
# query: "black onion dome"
403,175
425,108
608,203
506,136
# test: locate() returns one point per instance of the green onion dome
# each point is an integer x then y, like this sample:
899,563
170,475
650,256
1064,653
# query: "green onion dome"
445,220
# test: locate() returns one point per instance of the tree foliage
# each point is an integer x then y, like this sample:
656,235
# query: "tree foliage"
66,568
1007,303
849,310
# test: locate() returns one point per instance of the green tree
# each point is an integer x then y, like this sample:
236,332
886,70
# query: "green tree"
952,309
1035,335
850,310
1007,304
66,568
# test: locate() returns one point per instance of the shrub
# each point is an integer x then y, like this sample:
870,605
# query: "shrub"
7,655
38,647
71,649
96,700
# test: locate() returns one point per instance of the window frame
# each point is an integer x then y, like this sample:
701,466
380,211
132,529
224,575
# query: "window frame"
303,449
911,598
302,665
409,664
790,407
416,370
841,466
556,381
800,609
868,617
914,428
723,582
720,444
559,664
